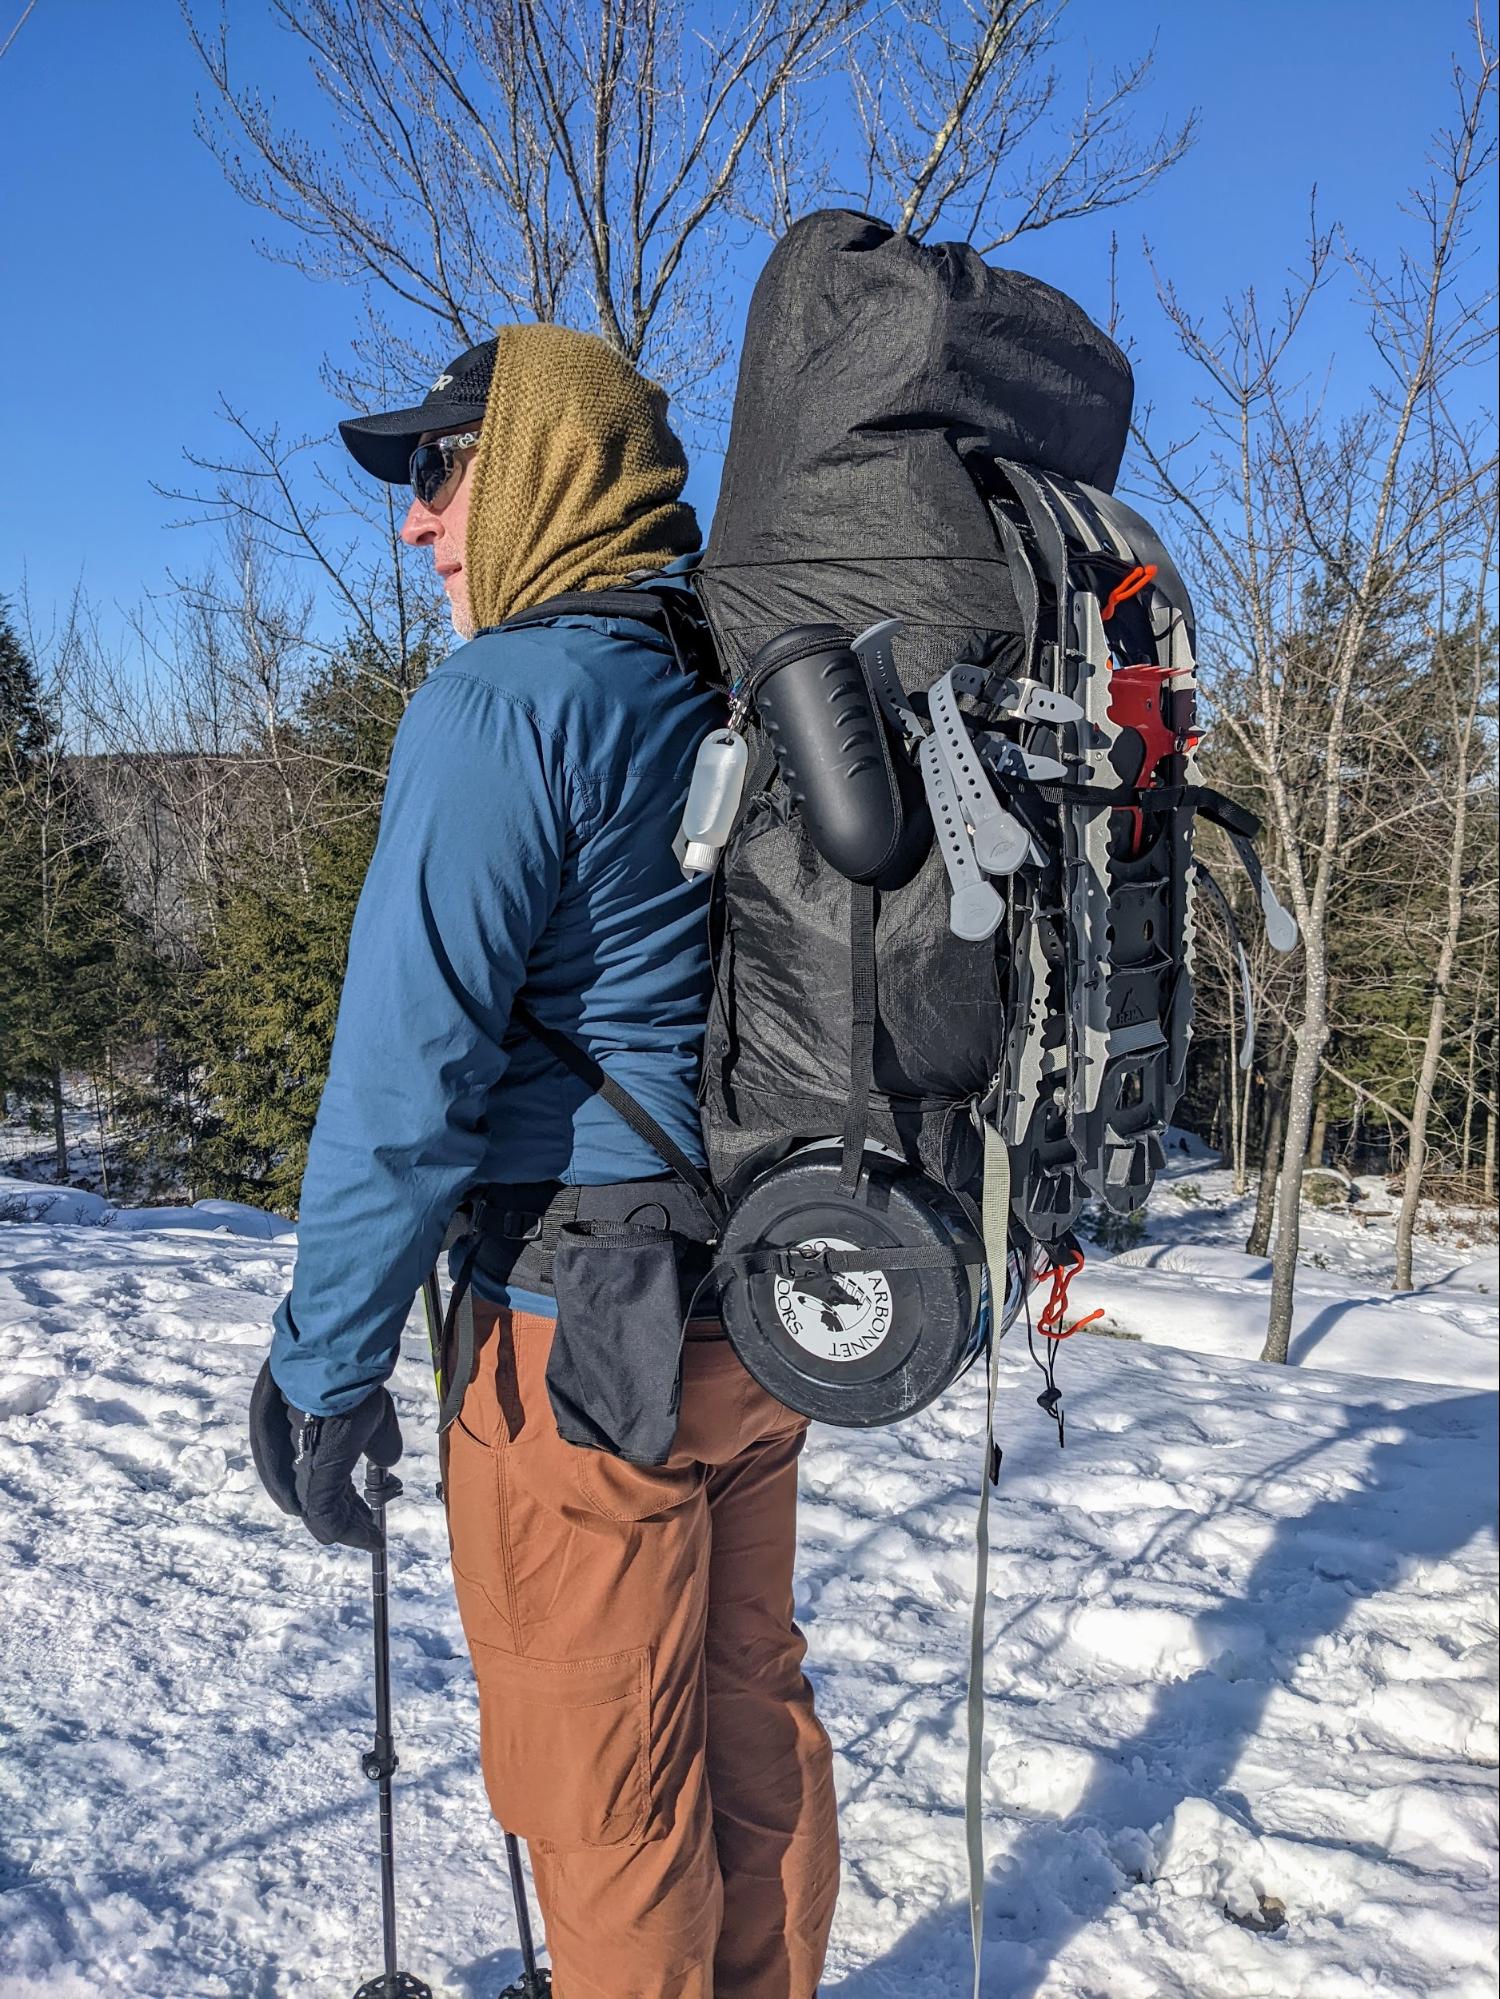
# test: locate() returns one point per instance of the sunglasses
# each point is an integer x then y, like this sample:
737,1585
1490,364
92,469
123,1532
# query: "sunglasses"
433,465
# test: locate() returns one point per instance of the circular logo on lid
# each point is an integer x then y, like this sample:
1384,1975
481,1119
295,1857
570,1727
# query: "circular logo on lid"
836,1318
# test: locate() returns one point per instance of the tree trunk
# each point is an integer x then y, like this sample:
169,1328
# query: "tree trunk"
1416,1155
1300,1112
1258,1242
1236,1136
1437,1015
103,1140
1319,1138
1489,1158
59,1135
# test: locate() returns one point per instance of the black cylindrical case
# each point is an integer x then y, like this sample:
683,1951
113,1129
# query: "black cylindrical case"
816,705
872,1346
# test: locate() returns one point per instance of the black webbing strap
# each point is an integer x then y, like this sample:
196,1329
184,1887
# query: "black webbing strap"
861,1029
1224,812
790,1260
1156,799
576,1058
762,764
673,612
458,1337
560,1213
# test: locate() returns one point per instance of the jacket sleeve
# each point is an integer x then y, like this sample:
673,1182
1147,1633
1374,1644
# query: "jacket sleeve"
466,872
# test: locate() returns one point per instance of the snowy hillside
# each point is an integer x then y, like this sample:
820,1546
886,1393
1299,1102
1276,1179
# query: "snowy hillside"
1188,1283
1242,1650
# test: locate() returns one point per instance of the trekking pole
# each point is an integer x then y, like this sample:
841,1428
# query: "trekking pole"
378,1763
533,1983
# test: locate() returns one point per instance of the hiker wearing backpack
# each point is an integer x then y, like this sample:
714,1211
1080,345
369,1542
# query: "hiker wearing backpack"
526,945
949,816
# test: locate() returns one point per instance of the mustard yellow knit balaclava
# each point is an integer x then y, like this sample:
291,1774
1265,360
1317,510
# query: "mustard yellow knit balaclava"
578,477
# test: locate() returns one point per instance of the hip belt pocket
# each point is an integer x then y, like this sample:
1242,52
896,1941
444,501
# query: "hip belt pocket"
565,1745
614,1373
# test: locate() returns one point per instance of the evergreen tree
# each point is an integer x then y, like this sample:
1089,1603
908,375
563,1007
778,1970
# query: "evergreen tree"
24,733
70,955
259,1025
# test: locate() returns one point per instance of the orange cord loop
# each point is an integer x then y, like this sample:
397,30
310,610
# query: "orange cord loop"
1128,587
1050,1323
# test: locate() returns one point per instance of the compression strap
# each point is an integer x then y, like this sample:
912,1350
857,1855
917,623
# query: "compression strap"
459,1332
862,1012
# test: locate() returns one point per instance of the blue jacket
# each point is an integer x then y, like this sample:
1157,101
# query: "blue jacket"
534,791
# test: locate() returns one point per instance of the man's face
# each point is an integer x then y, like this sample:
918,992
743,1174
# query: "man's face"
443,526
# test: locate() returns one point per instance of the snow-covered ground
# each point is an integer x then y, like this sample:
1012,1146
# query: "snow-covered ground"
31,1201
1188,1283
1241,1658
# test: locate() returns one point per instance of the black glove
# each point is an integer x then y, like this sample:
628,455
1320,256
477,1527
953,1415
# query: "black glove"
307,1463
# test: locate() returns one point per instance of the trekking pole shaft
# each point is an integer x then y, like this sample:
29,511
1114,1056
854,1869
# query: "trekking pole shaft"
383,1761
523,1910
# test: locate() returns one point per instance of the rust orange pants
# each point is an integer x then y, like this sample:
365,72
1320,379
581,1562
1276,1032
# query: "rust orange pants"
645,1723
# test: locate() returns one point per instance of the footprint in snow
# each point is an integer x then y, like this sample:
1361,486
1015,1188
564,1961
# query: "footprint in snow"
202,1467
25,1394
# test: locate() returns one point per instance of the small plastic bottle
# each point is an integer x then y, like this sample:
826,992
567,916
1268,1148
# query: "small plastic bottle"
713,800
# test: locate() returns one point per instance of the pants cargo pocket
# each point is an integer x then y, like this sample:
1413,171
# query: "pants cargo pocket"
565,1745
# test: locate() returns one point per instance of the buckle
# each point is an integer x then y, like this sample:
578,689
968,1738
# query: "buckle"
794,1262
514,1225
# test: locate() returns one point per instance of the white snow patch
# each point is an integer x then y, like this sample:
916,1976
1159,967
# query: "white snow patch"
1346,1317
36,1201
1240,1668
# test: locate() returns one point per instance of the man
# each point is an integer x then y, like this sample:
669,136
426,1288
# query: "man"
645,1722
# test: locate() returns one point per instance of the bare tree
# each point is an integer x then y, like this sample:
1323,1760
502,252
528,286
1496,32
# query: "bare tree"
592,162
1463,681
582,160
1291,503
962,114
280,512
513,158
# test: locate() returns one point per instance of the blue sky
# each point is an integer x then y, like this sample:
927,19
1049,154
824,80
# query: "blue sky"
135,297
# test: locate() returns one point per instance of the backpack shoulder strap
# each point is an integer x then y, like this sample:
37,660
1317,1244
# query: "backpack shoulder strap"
576,1058
663,604
644,607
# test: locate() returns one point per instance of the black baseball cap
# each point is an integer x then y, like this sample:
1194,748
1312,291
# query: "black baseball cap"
383,445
